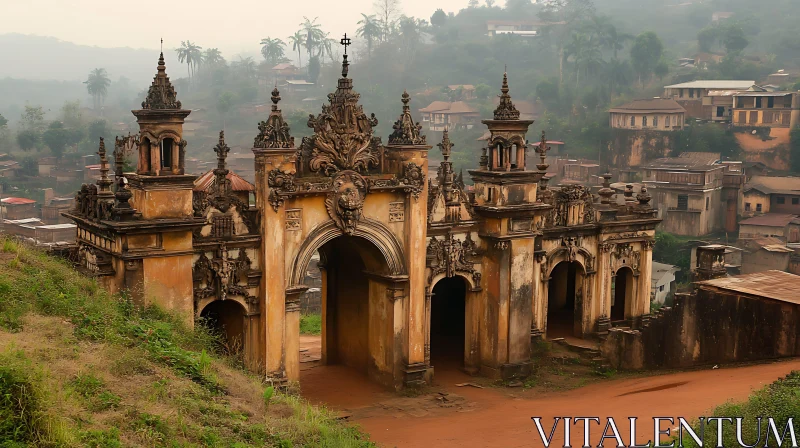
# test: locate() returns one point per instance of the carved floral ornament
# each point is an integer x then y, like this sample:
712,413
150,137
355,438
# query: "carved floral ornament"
450,256
222,275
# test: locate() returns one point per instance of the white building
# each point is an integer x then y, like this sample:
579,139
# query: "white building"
662,282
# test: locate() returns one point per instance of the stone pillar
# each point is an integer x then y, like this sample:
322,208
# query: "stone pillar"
645,278
539,299
520,307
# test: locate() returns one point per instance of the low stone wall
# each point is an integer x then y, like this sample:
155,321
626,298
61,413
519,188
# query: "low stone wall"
708,327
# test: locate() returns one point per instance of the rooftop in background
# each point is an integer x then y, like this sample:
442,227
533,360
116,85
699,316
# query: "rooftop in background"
17,201
284,66
688,160
446,107
206,180
772,185
663,267
298,82
461,86
714,84
776,285
651,105
769,220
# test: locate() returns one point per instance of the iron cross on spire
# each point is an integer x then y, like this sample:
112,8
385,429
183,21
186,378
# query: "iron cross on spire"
345,41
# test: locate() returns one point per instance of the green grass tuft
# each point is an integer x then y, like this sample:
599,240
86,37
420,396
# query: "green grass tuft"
311,324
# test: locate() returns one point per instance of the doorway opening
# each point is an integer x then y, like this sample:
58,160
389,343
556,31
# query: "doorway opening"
226,318
621,292
448,323
565,300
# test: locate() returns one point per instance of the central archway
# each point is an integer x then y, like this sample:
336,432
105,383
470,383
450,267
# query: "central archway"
448,325
356,315
565,300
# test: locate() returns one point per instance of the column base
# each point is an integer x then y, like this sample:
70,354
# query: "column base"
416,375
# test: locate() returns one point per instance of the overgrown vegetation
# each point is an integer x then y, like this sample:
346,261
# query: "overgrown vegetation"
674,250
79,367
779,400
311,324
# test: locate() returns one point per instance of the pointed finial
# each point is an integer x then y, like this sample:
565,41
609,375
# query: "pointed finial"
345,42
504,87
445,146
276,98
542,150
505,108
405,99
101,151
162,44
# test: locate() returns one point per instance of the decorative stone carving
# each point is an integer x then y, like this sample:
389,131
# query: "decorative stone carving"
406,132
161,94
346,200
450,256
396,212
501,245
274,132
413,179
505,110
279,183
571,246
342,139
222,275
648,244
294,219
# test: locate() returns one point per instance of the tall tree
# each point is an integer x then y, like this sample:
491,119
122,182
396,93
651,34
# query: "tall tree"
439,17
272,50
3,121
33,117
370,30
224,104
212,57
71,114
245,67
313,34
313,69
563,17
387,10
191,54
97,85
645,54
411,30
297,41
27,139
56,137
733,39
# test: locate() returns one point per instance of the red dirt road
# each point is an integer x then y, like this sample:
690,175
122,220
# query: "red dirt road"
501,417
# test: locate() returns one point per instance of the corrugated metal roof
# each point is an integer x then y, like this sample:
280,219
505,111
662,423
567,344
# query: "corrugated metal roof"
650,105
769,220
714,84
206,180
457,107
770,185
776,285
17,201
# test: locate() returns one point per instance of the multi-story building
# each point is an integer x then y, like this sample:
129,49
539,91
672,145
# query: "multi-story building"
769,109
687,191
695,96
641,130
441,115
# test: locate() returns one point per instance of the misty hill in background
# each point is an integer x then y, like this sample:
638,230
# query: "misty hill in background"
48,58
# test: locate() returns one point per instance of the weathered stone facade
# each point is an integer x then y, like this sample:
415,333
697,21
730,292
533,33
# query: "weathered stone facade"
411,270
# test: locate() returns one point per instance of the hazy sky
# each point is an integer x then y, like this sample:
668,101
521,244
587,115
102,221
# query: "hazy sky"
233,26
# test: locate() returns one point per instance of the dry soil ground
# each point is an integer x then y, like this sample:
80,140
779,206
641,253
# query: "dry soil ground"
447,415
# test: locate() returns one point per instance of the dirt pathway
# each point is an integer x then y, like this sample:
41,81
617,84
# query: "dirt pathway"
501,417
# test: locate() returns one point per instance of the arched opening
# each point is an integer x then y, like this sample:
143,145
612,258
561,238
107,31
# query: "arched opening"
621,292
226,317
353,309
144,156
448,323
166,153
565,300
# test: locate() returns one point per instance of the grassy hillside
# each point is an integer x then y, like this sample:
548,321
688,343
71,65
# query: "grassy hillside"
81,368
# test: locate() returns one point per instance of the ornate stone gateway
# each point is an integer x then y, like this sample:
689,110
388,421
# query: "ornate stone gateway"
402,256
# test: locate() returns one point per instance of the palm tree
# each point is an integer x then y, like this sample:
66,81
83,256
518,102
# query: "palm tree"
212,57
191,54
97,85
313,32
585,51
272,50
297,44
370,30
326,46
410,30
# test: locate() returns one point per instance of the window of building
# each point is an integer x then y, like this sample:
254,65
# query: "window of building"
758,207
739,102
771,102
780,200
720,111
758,102
222,226
747,206
666,121
708,200
166,153
644,121
633,121
681,92
691,93
795,201
661,288
655,121
683,202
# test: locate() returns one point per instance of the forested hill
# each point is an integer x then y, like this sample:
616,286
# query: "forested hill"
48,58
